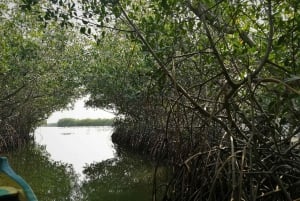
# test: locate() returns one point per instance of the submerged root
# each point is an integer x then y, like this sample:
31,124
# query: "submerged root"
237,170
9,138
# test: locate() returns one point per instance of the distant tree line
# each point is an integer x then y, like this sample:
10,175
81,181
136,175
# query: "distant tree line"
69,122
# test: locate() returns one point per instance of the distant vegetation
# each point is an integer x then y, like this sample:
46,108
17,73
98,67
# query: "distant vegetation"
68,122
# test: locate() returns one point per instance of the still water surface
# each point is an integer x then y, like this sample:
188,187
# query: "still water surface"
78,146
82,164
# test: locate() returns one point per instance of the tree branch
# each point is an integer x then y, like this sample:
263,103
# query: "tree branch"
169,74
201,11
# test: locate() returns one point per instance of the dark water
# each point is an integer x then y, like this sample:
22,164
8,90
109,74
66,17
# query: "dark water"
122,176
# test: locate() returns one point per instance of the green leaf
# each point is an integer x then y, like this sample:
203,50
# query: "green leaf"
82,30
85,22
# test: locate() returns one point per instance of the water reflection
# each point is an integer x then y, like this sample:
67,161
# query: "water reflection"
126,178
50,180
118,176
77,146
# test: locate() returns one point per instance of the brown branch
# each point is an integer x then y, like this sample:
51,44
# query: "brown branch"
218,56
13,93
178,87
203,17
202,11
265,58
274,80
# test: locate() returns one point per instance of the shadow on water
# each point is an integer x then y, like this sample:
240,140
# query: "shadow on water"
128,177
50,180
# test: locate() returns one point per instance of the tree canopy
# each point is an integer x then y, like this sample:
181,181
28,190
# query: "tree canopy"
39,71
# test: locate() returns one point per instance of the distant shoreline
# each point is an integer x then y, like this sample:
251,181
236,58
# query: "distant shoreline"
70,122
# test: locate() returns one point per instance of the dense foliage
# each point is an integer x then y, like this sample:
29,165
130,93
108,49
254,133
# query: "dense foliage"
39,70
210,86
50,180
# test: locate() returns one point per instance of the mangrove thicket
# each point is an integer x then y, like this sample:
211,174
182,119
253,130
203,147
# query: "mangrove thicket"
210,88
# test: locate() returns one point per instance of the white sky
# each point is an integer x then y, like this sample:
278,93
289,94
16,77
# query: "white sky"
80,112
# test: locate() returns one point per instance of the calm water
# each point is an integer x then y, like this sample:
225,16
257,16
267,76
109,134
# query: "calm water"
78,146
82,164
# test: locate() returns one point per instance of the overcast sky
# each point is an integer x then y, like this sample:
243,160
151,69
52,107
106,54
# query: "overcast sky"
80,112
